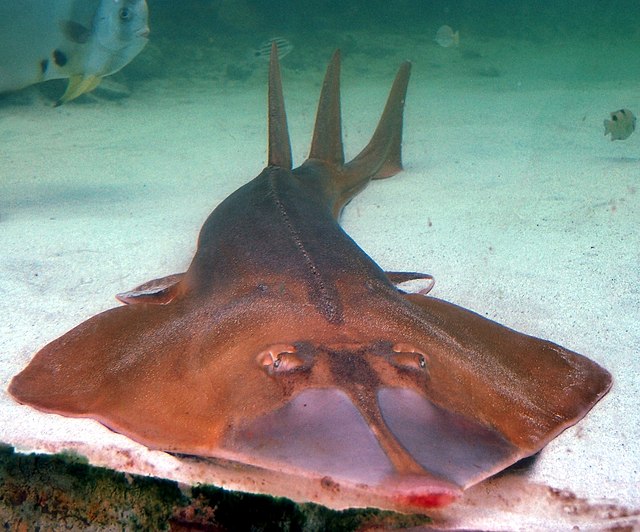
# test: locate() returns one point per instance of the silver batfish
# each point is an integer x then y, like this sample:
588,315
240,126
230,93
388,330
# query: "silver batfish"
82,40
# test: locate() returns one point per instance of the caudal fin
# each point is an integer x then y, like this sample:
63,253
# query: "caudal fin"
382,157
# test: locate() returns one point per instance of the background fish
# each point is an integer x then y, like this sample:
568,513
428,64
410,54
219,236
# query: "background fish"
264,50
446,37
83,40
621,125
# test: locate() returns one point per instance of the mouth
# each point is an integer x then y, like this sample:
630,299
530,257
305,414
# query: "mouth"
320,437
419,456
143,33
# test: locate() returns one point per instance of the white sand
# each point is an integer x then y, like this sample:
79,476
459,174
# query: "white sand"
511,197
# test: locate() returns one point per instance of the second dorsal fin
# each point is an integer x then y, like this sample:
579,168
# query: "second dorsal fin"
327,134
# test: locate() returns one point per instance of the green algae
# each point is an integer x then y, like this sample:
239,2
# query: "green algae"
57,492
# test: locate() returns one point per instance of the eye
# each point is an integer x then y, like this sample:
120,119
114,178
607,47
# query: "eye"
407,356
279,358
124,13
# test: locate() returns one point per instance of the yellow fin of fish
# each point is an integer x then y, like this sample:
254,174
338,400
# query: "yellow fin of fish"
78,85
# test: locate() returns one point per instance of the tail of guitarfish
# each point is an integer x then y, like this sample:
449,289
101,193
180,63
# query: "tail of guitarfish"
380,158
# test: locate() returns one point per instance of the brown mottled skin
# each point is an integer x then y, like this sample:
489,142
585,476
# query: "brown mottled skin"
287,351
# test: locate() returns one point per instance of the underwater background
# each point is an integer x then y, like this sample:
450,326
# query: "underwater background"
512,197
378,30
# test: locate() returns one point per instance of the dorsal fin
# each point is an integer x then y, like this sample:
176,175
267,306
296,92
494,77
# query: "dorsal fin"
279,144
327,134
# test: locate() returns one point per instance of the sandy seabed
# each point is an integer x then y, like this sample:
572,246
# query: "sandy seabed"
511,197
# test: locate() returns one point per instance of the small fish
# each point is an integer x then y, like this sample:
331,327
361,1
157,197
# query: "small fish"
446,37
82,40
621,125
264,50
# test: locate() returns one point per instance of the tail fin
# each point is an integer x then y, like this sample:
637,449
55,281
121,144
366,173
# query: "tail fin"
382,157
